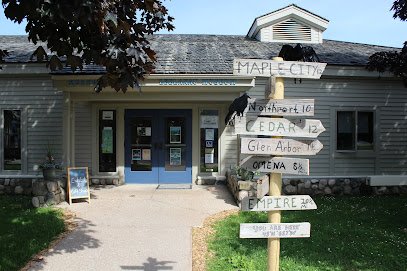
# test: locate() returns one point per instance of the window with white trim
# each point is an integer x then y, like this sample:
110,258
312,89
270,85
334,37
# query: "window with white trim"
11,140
354,130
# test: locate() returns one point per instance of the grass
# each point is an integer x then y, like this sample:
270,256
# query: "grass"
347,234
25,231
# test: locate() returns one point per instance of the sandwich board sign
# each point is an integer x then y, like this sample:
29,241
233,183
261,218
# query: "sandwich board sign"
78,183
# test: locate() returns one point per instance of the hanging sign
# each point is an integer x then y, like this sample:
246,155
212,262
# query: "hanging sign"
278,127
277,146
275,230
272,203
279,107
276,165
267,68
78,183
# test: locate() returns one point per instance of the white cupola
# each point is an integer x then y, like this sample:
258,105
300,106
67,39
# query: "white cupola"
291,24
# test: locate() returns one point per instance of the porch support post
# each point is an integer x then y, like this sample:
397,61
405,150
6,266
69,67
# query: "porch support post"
68,132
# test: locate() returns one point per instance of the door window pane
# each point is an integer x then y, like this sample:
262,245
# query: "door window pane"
107,141
175,144
209,140
141,144
12,139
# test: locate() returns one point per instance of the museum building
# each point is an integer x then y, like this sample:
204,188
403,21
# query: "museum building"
174,132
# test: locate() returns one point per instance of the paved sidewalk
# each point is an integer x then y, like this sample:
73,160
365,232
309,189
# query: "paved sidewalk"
136,227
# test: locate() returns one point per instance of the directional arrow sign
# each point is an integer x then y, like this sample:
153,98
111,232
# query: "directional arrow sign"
276,165
275,230
274,203
278,127
267,68
275,146
279,107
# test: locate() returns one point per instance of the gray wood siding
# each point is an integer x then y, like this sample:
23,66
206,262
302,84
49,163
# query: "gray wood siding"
83,136
386,98
43,119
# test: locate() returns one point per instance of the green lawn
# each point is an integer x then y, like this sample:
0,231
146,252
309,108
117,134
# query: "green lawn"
347,233
25,231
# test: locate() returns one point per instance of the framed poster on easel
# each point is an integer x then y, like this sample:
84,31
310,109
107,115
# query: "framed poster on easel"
78,183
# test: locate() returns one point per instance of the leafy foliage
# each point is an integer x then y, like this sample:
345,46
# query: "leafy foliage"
109,33
394,61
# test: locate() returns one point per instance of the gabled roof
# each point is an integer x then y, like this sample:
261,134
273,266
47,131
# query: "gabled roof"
211,54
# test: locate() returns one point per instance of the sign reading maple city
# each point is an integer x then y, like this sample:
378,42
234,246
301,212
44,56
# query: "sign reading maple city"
267,68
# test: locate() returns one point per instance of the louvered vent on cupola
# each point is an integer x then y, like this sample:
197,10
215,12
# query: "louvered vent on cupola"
291,24
291,30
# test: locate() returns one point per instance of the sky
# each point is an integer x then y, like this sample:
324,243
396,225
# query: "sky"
360,21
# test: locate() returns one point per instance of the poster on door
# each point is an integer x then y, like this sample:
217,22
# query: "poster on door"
175,134
107,140
136,154
175,156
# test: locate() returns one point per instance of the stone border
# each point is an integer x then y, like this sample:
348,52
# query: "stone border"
314,187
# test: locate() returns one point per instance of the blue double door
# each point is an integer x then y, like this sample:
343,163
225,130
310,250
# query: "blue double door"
158,146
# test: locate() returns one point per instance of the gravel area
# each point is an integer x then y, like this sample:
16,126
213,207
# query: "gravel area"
200,236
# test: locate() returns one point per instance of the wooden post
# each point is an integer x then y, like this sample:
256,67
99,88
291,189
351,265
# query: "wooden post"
273,248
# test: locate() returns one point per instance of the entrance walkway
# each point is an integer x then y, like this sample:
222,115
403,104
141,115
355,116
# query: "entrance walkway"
136,227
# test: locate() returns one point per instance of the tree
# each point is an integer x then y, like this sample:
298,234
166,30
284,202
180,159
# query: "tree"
393,61
109,33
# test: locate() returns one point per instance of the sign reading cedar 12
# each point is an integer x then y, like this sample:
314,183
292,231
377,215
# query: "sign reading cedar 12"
78,183
279,107
278,127
277,146
267,68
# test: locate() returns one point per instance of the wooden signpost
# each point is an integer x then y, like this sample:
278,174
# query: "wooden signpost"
276,107
275,230
276,146
254,124
298,202
78,183
310,128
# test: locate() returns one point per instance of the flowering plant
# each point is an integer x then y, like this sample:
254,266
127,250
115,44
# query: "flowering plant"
49,162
